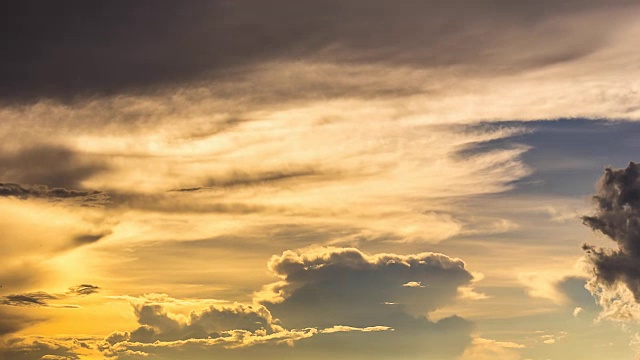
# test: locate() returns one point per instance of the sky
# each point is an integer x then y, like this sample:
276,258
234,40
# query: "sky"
297,179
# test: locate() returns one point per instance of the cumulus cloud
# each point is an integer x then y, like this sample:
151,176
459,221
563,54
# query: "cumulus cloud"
333,279
344,286
215,328
324,296
616,271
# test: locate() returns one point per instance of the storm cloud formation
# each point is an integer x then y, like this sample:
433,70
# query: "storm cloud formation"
80,48
617,215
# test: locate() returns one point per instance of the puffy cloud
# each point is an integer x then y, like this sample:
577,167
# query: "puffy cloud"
326,298
216,328
616,272
331,280
329,287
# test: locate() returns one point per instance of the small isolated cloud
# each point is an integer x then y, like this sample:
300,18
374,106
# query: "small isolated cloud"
616,271
44,299
341,328
488,349
414,284
576,312
83,289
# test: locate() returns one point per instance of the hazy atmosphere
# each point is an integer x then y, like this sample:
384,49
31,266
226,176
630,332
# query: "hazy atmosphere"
320,179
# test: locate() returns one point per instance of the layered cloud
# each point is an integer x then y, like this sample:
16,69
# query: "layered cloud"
134,52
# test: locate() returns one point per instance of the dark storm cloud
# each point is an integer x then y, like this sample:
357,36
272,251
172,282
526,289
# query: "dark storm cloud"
617,215
55,167
44,299
62,50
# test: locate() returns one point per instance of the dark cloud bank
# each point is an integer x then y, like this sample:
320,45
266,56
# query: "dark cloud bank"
617,215
64,50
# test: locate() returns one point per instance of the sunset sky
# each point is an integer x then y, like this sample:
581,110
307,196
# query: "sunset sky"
326,179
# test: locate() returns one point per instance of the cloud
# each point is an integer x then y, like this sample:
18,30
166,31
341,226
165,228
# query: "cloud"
218,327
488,349
42,191
11,322
83,289
436,33
325,296
44,299
616,272
53,168
328,287
50,348
331,280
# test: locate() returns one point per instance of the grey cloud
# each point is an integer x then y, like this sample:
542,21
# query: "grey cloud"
41,298
219,328
617,215
55,167
332,280
88,238
156,324
342,286
329,302
43,191
83,48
